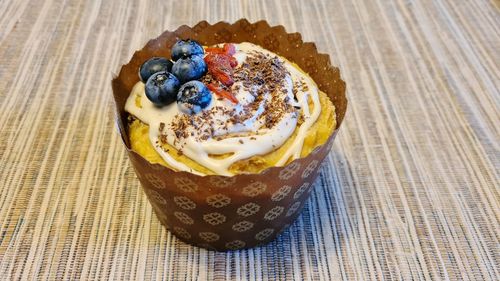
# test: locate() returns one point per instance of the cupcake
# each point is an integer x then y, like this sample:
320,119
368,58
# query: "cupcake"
226,126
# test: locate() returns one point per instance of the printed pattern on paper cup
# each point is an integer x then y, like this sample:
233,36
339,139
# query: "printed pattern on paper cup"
155,181
184,202
294,39
214,218
293,209
266,171
273,213
155,196
309,169
235,245
301,190
223,35
218,200
254,189
182,232
243,226
262,235
289,171
221,182
186,184
183,217
281,193
247,27
271,42
209,236
248,209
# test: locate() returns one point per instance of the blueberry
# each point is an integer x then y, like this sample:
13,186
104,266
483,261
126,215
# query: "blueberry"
193,96
153,65
189,68
186,48
162,87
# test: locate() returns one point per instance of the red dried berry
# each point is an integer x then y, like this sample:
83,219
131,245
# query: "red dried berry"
222,93
229,49
220,63
233,62
215,50
224,78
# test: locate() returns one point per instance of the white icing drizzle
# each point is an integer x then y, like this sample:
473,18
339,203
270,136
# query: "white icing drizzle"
241,140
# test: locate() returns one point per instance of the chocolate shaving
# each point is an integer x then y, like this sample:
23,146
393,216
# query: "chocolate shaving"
259,75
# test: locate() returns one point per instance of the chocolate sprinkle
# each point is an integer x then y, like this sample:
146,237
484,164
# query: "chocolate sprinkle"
260,74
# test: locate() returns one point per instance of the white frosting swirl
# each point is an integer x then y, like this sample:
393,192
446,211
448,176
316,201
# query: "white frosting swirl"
217,132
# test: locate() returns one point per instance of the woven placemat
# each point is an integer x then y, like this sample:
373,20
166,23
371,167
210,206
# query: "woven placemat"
410,191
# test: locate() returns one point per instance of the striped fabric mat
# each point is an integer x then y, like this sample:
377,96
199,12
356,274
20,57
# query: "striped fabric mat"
410,192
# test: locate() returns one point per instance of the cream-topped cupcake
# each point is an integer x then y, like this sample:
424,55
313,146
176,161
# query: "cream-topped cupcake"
258,112
227,140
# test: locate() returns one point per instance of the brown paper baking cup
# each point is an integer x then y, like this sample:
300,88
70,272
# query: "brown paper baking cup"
229,213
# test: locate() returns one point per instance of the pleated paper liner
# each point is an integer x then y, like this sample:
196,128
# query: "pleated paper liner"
229,213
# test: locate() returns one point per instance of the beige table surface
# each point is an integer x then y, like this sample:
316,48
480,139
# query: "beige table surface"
410,191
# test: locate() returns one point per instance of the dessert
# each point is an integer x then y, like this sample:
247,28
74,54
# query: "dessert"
199,128
226,109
